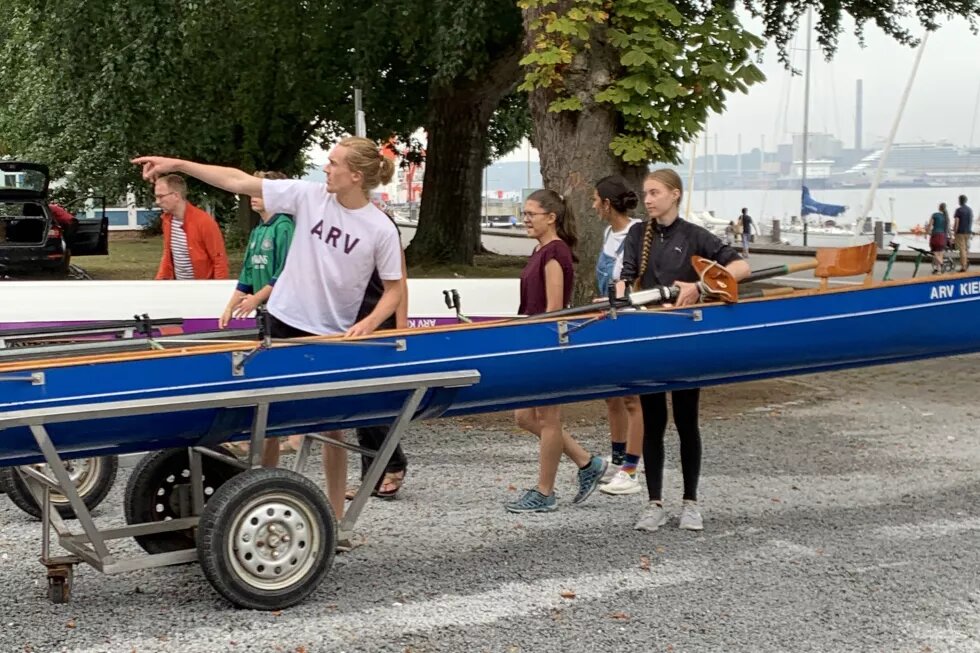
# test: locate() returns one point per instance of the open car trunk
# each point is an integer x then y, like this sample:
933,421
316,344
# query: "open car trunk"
23,223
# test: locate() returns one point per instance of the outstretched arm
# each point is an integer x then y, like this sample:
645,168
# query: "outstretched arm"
232,180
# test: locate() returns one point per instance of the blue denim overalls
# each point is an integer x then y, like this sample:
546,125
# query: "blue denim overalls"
606,264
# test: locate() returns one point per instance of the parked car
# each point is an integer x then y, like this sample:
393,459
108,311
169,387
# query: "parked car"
32,237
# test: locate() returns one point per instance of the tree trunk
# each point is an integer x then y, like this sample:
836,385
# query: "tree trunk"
459,116
574,149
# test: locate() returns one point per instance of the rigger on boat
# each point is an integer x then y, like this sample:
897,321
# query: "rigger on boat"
181,398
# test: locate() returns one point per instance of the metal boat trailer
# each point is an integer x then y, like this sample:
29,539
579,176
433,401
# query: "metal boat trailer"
265,537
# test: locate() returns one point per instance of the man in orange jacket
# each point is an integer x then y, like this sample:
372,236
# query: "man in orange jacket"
193,247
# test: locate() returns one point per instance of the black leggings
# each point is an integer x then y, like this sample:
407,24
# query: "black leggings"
685,404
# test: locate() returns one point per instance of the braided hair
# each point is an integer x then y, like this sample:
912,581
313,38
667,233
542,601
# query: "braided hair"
671,180
645,256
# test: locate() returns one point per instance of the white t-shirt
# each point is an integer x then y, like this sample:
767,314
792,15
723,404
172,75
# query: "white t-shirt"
610,247
332,256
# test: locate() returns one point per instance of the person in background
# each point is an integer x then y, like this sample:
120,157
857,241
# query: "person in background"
612,199
963,229
658,253
265,257
546,285
745,220
937,227
193,247
65,220
730,233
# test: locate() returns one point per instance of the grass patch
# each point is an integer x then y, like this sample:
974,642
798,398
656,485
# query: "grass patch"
136,258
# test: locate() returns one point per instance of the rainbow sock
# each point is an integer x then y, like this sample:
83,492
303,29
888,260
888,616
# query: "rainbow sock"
630,463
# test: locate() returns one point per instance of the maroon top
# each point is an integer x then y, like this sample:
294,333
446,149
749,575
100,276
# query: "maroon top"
534,297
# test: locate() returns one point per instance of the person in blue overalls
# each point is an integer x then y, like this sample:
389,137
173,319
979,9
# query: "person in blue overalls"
612,201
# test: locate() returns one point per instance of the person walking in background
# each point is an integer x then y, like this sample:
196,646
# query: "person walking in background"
193,247
730,233
658,253
963,228
546,285
745,220
937,228
612,199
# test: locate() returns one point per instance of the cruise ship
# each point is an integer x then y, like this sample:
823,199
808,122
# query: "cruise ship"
916,164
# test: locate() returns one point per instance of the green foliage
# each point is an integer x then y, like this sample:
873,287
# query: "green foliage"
783,18
666,68
245,83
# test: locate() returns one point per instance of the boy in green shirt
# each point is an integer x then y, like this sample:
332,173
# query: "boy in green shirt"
265,257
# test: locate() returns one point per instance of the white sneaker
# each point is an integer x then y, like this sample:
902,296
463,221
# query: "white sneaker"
621,483
611,471
652,517
691,517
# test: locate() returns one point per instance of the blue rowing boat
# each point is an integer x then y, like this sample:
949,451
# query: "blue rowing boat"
265,538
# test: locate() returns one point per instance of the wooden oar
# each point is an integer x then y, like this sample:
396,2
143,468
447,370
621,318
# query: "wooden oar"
721,284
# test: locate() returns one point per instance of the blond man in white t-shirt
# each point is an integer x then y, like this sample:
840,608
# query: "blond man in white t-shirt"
339,240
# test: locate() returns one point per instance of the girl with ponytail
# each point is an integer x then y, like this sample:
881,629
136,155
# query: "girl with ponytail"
340,239
613,200
546,285
659,253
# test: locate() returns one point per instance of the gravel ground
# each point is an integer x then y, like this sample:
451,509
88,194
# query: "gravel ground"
841,514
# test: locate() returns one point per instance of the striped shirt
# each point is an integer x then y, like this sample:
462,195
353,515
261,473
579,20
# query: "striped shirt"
178,249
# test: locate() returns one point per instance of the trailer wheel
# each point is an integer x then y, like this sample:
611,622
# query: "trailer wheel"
93,478
267,539
159,489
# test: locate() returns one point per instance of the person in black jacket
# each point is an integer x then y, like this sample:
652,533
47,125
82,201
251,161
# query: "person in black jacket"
372,437
658,253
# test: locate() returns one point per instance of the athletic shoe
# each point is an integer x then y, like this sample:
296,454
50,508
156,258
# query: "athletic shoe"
622,483
588,478
611,470
691,517
653,517
533,501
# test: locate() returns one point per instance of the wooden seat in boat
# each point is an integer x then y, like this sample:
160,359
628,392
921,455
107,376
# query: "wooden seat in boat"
846,262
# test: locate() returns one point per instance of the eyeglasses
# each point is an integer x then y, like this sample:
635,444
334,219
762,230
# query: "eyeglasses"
527,215
160,197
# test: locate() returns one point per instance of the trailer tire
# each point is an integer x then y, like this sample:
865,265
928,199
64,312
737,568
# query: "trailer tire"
159,490
267,539
93,480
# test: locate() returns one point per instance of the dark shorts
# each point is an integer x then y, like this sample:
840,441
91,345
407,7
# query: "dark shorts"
937,242
279,329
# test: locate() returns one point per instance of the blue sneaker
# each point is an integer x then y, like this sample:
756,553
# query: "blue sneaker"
533,501
590,477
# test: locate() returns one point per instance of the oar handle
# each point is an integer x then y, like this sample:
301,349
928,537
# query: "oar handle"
651,296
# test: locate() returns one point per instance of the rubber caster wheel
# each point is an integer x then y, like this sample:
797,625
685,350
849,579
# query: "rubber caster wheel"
267,539
159,489
93,478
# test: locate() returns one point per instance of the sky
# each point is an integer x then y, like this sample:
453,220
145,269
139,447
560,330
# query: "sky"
942,104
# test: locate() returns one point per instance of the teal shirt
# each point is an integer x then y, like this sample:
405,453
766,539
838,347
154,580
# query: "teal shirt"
939,223
265,254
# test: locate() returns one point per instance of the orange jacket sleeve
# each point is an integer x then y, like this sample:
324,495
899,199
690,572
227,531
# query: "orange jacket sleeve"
214,242
166,267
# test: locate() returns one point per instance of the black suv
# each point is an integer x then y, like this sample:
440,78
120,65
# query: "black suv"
31,238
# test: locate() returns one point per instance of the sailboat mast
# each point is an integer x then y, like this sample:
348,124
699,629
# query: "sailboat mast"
806,101
882,160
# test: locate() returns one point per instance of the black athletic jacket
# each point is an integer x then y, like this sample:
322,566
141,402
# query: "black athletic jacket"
671,252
